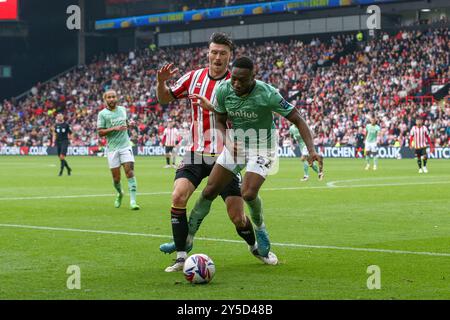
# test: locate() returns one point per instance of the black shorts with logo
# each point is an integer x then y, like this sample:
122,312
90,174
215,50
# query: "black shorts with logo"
195,167
61,147
421,152
169,149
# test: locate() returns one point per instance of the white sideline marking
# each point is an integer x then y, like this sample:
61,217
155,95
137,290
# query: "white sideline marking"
295,245
330,185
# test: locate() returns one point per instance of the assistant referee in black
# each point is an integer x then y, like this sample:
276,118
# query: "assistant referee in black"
61,136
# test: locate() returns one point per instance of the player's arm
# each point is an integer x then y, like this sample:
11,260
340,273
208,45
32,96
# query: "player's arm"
163,92
53,136
295,117
201,101
427,136
411,138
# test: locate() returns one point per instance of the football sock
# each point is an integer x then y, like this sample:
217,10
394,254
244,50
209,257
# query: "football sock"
66,164
425,162
179,228
132,186
375,161
118,187
419,162
315,168
247,233
168,160
256,211
198,213
305,168
367,159
62,166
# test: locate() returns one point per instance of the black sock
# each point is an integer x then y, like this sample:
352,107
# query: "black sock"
66,164
419,162
179,227
62,166
425,162
247,233
168,161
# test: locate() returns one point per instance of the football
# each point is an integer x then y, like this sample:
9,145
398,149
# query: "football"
199,269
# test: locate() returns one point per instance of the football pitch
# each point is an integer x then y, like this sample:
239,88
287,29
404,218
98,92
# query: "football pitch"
325,233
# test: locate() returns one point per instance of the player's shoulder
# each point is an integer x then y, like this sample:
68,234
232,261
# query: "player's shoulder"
266,87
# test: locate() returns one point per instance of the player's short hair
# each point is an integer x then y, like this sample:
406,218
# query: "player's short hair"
221,38
244,63
107,91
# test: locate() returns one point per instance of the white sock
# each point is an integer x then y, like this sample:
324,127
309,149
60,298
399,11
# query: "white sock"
181,254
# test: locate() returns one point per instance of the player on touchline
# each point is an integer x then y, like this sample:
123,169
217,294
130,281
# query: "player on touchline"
248,104
202,153
113,124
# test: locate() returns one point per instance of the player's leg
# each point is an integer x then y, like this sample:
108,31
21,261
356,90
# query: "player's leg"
61,158
64,147
250,188
235,208
375,157
419,159
127,161
425,160
305,169
114,165
218,180
367,152
174,156
167,158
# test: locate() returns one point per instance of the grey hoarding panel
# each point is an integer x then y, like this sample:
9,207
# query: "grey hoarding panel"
351,23
286,28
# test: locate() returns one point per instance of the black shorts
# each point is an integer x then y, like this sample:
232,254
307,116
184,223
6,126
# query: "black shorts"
169,149
62,147
421,152
194,168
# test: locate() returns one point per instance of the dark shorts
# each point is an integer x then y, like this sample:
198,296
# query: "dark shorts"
62,147
421,152
195,169
169,149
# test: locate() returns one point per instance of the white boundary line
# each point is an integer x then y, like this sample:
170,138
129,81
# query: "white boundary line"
330,186
295,245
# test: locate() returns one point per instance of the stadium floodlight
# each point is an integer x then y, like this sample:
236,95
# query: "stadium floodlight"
425,10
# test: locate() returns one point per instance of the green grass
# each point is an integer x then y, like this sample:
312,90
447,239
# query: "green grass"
393,208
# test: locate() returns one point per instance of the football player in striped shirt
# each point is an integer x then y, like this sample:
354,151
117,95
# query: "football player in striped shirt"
419,140
204,149
170,139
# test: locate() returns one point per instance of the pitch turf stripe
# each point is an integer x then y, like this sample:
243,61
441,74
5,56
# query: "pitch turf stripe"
295,245
329,186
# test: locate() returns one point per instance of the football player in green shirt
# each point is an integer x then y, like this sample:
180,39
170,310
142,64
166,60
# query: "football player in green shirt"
295,134
249,105
371,144
112,122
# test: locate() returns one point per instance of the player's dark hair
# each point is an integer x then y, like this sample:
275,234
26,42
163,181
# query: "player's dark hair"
221,38
244,63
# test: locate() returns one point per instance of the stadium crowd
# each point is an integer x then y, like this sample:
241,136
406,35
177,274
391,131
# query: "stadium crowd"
337,84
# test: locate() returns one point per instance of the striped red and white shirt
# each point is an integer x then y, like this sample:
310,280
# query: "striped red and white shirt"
170,137
420,136
203,133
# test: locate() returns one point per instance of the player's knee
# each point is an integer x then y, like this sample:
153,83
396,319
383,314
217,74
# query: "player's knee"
179,199
210,193
249,195
129,174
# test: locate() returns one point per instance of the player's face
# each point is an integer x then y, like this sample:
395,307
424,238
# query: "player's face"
242,80
419,122
373,121
111,99
60,118
219,56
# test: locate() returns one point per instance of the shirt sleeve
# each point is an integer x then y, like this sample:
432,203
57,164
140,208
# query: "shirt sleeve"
219,107
101,121
181,88
278,104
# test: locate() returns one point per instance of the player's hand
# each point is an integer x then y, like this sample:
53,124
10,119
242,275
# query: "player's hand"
198,100
166,72
314,156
